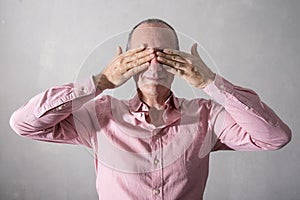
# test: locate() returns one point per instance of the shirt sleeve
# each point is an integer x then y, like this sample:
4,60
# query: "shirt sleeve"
241,121
60,114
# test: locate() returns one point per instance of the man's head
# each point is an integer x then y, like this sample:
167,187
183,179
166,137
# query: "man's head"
159,24
154,33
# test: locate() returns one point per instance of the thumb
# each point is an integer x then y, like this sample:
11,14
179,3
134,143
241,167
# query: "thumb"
119,51
194,51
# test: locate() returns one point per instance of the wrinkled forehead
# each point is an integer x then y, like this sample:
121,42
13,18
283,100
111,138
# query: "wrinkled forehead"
157,37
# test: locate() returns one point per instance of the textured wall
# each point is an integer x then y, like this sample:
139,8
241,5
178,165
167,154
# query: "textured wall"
255,43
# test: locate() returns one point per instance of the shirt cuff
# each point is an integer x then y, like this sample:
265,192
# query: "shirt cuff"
219,89
69,96
85,87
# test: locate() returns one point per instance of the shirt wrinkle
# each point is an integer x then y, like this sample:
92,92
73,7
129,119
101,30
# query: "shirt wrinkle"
139,160
136,105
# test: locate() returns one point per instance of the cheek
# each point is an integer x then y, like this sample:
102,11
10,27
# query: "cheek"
170,77
137,77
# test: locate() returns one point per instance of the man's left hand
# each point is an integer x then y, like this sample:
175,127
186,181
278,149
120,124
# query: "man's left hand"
188,66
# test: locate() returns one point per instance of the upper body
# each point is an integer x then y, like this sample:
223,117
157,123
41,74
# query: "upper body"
155,145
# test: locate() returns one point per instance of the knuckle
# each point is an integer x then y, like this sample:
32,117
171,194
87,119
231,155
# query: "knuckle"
162,60
130,65
120,61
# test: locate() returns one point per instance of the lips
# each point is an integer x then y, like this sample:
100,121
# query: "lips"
152,78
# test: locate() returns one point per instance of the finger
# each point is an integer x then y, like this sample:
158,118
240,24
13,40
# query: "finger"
138,62
174,71
143,60
136,70
171,63
138,55
119,50
133,51
176,52
171,57
194,51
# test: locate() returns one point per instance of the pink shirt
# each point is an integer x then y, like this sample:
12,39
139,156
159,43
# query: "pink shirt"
137,160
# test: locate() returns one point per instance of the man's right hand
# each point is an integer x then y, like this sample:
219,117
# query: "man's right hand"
123,67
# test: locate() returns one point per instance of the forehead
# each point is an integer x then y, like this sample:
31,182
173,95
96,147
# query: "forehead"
154,35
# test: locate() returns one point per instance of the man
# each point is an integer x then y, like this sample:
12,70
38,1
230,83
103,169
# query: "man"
155,145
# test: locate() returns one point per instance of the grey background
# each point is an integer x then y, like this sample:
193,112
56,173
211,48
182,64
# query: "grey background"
255,43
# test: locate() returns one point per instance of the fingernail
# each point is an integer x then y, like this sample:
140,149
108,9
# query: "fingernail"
150,50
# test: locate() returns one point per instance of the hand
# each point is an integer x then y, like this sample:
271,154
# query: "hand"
188,66
123,67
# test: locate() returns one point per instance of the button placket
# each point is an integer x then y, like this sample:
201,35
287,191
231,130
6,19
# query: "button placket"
157,157
157,174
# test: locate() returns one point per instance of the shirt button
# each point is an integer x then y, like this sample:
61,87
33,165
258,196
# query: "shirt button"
154,132
83,90
59,108
247,108
145,107
222,86
156,191
156,161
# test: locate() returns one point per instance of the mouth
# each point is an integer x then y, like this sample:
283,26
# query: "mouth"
153,78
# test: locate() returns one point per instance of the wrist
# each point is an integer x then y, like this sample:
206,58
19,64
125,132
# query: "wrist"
100,82
211,78
207,81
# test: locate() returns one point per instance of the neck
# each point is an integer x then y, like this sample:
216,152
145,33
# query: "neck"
155,99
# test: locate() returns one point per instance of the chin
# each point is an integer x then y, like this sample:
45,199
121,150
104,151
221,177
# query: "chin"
153,89
150,89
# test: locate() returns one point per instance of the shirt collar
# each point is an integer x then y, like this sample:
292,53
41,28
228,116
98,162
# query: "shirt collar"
135,104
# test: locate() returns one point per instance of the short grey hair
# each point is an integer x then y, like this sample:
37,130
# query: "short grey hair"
152,21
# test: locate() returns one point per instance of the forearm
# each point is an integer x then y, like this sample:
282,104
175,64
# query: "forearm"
255,118
41,113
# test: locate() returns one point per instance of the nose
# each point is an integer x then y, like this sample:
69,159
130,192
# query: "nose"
155,65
